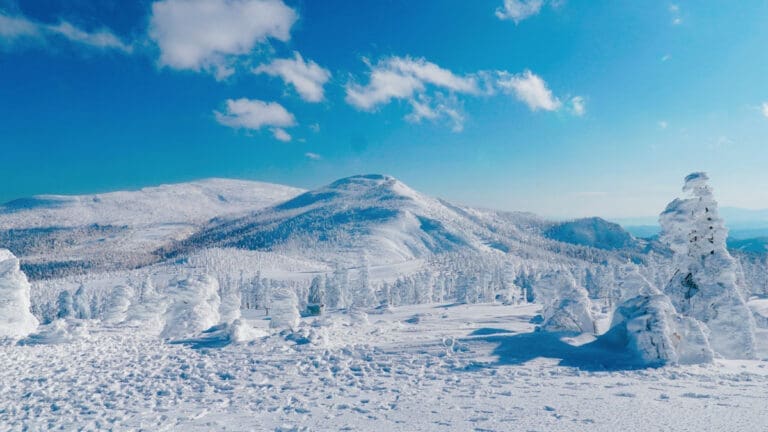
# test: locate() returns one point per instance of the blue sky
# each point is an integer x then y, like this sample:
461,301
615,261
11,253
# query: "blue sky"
565,108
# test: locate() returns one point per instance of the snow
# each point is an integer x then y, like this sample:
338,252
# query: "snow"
285,311
16,319
460,367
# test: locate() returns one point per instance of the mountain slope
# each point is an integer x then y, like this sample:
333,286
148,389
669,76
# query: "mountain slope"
56,234
375,215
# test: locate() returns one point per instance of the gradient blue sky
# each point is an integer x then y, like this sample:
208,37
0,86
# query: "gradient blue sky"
565,108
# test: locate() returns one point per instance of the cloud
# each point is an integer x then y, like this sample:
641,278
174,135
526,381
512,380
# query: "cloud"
254,114
435,93
312,156
15,28
531,90
210,35
518,10
315,127
443,108
281,135
578,106
663,124
674,10
764,109
402,78
308,78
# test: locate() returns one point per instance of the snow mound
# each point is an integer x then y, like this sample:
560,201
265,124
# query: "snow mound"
566,305
224,334
16,320
60,331
650,327
193,307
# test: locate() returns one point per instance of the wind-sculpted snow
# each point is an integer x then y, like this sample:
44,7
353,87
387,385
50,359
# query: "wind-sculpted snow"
650,327
16,319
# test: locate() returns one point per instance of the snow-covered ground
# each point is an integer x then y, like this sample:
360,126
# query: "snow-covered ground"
425,367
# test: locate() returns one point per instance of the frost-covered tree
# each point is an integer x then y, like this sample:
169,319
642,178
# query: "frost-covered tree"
229,310
649,326
117,306
81,306
566,305
193,306
317,291
16,319
65,305
630,283
704,285
285,310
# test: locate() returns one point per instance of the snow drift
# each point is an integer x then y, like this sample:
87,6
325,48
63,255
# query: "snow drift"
16,320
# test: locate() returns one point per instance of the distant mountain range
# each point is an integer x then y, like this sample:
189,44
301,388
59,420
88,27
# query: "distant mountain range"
365,218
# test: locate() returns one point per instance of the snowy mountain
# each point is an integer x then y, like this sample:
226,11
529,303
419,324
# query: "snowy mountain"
375,215
593,232
56,234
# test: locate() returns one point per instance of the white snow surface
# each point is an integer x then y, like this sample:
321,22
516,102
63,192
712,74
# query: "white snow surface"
458,367
16,319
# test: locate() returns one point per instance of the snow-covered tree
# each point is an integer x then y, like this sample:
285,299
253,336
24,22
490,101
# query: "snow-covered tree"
65,305
117,306
566,305
194,306
649,326
285,310
80,303
229,310
630,283
16,319
317,291
704,285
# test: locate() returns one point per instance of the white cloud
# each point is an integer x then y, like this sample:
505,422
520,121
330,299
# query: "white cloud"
281,135
307,77
663,124
312,156
254,114
434,93
578,106
209,35
442,108
13,28
764,109
518,10
315,127
402,78
530,89
99,39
